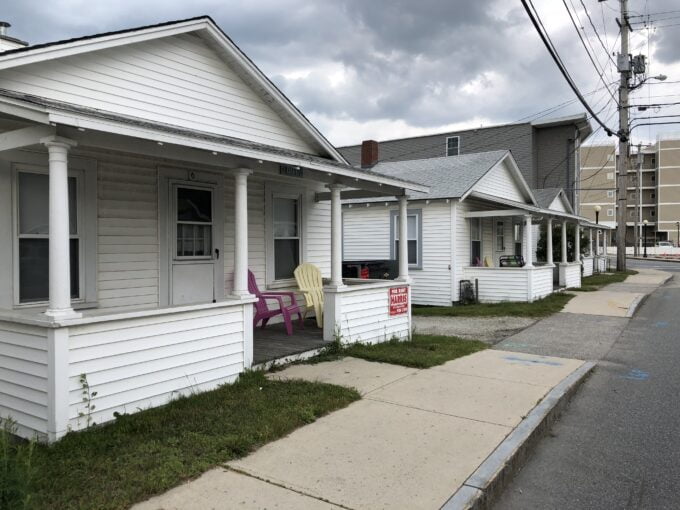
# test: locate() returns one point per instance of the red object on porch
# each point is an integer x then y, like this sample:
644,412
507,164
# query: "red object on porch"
264,313
364,273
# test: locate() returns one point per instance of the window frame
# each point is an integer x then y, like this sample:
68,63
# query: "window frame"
610,213
176,221
480,240
500,247
610,193
86,227
457,137
277,189
394,255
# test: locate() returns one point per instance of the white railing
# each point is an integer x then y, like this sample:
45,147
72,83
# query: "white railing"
497,284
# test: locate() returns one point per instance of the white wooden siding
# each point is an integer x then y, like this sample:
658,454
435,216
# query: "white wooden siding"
500,182
23,377
572,275
499,284
364,316
558,205
317,223
127,233
366,233
134,364
587,266
541,282
177,80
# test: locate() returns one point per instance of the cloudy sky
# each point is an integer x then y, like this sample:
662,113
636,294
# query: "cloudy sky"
389,68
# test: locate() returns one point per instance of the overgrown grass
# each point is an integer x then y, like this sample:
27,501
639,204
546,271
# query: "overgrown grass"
597,281
140,455
422,351
540,308
16,468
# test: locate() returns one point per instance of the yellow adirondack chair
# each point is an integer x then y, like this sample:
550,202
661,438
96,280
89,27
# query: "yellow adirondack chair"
308,278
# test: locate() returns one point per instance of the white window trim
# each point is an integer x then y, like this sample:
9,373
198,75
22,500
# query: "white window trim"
500,247
447,145
197,186
480,240
85,173
394,236
610,212
610,194
279,190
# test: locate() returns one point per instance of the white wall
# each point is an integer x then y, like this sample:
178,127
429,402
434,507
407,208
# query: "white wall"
502,183
366,232
23,377
177,80
138,363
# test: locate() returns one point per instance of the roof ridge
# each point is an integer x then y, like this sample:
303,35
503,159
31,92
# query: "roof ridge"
438,158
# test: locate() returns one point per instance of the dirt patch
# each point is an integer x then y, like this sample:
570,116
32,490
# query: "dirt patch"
487,329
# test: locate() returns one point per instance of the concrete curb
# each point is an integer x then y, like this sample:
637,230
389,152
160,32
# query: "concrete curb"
484,486
637,302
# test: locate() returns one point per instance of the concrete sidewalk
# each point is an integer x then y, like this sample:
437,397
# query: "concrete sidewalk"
413,440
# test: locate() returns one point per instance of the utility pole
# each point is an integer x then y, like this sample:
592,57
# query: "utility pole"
624,67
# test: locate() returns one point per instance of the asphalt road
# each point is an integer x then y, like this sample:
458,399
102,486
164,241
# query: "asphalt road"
618,443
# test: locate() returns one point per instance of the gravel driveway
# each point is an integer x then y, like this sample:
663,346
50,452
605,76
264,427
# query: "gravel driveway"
487,329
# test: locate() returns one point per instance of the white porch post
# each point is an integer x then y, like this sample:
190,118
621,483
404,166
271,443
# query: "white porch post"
590,242
403,239
59,234
597,242
564,242
240,287
528,251
549,245
577,243
336,236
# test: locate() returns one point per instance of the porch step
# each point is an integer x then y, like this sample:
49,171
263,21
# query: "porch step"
266,365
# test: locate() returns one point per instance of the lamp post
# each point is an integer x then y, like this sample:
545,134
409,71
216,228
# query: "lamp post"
597,214
644,224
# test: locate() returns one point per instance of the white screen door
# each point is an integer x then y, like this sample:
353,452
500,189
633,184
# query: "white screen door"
193,253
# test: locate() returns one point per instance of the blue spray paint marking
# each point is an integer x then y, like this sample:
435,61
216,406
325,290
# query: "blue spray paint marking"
661,324
636,375
526,361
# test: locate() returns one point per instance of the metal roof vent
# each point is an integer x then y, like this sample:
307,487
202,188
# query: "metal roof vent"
7,42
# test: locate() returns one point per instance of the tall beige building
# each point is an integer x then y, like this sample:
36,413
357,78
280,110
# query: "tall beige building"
653,188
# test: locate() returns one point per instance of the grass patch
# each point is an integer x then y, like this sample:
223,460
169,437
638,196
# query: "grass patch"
597,281
147,453
422,351
540,308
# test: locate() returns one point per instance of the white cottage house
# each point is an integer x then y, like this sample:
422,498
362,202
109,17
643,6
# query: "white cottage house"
142,174
477,217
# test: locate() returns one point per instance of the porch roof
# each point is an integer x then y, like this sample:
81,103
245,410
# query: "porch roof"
49,111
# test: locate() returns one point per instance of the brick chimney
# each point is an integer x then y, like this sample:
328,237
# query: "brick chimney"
7,42
369,153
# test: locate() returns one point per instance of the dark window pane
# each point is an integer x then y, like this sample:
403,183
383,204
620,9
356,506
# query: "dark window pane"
34,203
34,270
476,253
287,257
73,205
194,205
413,252
285,217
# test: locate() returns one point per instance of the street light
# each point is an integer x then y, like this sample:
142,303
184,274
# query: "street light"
597,214
644,223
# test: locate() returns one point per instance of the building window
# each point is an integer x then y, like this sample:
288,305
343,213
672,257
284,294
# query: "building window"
610,212
500,236
610,194
517,237
286,230
610,176
194,215
653,178
652,196
33,236
475,241
414,236
652,212
453,145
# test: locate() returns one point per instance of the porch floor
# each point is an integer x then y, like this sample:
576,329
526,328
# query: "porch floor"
273,342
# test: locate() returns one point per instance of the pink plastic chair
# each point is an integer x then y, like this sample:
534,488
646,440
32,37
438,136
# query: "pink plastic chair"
264,313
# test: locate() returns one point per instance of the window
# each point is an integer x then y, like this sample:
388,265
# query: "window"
500,236
33,236
452,145
610,176
652,196
633,196
517,238
194,223
610,212
475,241
610,194
652,212
653,178
414,236
286,230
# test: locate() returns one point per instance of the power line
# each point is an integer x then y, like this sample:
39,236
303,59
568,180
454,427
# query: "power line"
606,50
558,61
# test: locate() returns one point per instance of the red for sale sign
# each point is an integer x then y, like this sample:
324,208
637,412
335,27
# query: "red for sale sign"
398,300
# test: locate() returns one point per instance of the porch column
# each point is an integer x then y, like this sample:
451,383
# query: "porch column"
336,236
240,287
597,242
403,239
549,246
528,251
59,234
577,244
590,242
564,242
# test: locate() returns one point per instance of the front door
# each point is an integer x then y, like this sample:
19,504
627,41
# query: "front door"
194,254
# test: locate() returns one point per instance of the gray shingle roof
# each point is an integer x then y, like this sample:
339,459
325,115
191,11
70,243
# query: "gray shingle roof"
447,177
545,196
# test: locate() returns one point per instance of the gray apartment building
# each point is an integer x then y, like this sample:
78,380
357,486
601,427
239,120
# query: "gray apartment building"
546,151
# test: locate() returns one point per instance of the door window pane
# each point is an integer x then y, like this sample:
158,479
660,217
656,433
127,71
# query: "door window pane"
194,205
287,258
285,217
34,270
194,240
